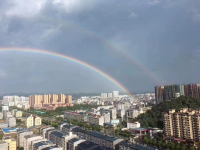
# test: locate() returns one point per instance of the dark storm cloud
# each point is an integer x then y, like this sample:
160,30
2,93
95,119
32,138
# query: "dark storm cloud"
163,35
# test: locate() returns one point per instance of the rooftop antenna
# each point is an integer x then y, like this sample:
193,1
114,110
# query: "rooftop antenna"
164,83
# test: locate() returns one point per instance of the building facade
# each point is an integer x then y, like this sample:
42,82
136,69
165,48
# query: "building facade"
169,92
29,121
184,124
20,137
37,121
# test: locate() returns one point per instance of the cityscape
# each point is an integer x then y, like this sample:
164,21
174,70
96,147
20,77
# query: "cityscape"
99,75
104,121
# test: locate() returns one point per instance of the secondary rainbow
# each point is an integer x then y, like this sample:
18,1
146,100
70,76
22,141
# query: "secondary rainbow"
17,49
112,45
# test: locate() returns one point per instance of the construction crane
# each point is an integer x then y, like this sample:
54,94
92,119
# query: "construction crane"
173,90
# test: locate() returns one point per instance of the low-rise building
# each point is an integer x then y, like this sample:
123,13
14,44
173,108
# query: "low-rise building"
96,119
133,125
12,121
121,113
18,114
43,144
99,138
1,115
87,145
29,121
52,148
3,145
68,128
37,121
113,113
44,131
4,125
71,145
12,144
128,146
57,138
39,143
28,139
20,137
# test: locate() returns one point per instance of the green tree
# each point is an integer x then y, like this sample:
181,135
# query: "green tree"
164,144
154,116
172,147
192,148
146,139
178,146
154,142
159,144
184,147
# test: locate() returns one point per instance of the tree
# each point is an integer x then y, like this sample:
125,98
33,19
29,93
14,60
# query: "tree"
184,147
164,144
146,140
192,148
177,146
159,144
154,142
172,147
154,116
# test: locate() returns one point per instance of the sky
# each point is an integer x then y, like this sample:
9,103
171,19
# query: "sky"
139,43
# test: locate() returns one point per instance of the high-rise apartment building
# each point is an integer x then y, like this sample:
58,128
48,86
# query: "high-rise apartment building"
115,94
69,99
50,101
54,98
110,95
61,98
183,124
104,95
169,92
159,94
46,99
35,100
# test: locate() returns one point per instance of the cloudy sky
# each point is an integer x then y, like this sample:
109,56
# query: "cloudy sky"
140,43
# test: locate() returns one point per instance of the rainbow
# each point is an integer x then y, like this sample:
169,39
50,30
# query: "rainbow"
107,43
50,53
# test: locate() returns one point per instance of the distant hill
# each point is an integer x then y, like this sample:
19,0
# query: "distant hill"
153,117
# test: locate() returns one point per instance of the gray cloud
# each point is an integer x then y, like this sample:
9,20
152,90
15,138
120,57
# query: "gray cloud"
135,42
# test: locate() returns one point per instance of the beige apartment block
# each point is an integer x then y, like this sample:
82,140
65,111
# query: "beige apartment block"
69,99
54,98
183,124
37,121
61,98
29,121
12,143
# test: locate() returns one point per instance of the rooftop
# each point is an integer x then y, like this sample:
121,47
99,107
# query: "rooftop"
134,146
100,135
58,134
74,140
88,145
49,148
40,144
30,136
69,126
141,129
